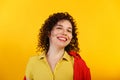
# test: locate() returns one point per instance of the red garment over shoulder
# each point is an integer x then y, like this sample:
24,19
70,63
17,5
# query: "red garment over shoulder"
81,71
24,78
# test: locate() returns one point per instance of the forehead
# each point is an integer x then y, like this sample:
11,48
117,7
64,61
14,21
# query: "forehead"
65,23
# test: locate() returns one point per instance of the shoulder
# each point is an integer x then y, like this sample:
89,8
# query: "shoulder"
35,58
38,55
32,60
82,62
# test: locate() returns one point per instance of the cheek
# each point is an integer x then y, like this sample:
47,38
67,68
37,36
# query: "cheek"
70,37
53,33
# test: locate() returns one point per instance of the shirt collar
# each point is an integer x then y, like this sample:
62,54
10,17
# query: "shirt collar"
66,56
42,55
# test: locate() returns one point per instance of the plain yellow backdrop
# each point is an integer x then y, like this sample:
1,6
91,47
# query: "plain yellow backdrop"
98,23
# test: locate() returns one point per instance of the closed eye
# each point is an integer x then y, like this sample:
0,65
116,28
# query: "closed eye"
58,28
69,30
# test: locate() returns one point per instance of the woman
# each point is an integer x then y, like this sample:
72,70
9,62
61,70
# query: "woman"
59,58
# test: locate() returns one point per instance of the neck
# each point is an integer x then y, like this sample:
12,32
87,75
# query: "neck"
54,52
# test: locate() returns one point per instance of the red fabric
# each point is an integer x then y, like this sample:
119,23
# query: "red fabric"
24,78
81,71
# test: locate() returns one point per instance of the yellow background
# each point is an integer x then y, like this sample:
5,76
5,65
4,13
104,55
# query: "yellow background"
98,24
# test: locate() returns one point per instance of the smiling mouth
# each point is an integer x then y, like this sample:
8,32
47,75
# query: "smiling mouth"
62,38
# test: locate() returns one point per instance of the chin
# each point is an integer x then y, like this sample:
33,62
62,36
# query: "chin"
62,46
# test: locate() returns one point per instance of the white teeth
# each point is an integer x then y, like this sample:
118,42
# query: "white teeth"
64,39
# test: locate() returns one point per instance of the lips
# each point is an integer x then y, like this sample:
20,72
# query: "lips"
61,38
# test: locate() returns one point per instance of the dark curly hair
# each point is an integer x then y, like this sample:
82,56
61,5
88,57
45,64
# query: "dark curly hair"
43,39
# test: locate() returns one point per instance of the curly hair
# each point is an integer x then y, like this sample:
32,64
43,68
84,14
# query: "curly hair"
43,39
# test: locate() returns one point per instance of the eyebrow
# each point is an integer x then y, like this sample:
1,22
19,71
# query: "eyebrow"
62,26
59,25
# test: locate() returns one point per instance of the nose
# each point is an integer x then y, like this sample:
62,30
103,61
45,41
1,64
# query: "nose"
64,32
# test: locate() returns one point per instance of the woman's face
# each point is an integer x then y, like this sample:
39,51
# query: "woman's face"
61,34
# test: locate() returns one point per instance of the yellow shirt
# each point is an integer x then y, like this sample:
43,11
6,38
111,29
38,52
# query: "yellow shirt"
39,69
